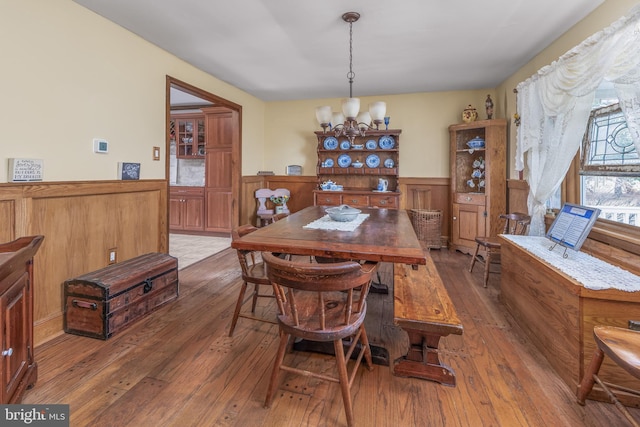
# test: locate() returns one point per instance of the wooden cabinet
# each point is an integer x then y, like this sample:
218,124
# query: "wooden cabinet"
186,209
378,154
18,369
219,169
189,133
478,181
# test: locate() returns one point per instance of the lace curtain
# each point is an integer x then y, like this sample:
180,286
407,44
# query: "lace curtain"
555,104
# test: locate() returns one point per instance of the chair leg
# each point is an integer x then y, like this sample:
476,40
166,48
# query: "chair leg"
474,258
344,380
364,340
236,312
256,290
588,380
487,267
273,382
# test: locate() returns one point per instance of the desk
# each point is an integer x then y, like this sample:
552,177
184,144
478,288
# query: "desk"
385,236
558,312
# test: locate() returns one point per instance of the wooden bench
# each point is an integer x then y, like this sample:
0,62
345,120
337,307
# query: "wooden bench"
421,306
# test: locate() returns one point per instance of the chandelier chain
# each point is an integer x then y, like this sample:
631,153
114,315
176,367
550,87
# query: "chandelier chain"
351,74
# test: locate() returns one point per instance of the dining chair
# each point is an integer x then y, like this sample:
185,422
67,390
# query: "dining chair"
326,303
253,271
514,223
622,346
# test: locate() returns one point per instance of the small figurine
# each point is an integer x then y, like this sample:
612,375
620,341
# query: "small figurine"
489,106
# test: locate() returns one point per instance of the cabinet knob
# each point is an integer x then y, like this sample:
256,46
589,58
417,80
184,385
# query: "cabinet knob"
354,200
468,199
8,352
455,217
383,202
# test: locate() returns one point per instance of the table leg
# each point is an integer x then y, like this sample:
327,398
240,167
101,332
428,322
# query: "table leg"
379,355
378,287
422,361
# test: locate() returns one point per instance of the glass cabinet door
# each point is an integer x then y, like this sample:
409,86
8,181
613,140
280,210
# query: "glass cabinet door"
190,136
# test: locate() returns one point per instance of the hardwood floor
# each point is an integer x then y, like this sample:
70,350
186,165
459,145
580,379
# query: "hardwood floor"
177,367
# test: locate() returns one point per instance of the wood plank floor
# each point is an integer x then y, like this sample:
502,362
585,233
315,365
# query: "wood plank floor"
177,367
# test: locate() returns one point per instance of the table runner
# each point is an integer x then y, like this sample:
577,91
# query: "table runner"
326,223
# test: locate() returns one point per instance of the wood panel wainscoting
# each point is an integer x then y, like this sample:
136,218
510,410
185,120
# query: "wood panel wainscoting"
416,193
81,222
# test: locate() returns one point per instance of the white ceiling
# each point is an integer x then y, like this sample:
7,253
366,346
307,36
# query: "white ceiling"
295,49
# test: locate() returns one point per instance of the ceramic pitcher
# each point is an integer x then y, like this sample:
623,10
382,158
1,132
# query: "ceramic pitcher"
383,184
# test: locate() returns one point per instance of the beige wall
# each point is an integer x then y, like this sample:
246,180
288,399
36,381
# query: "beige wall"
70,76
423,117
602,17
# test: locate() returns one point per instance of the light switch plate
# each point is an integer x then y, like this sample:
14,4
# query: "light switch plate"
100,145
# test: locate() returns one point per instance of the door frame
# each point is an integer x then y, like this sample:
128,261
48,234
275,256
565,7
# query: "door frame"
236,150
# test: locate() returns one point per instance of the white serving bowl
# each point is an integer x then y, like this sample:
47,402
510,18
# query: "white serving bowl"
343,213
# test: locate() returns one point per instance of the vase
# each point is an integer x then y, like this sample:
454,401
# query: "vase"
280,209
469,114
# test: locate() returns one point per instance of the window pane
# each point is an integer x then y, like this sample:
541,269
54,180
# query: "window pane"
617,197
610,141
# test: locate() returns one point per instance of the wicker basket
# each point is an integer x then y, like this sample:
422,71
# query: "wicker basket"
428,225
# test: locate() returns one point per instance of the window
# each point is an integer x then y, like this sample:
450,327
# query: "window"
610,167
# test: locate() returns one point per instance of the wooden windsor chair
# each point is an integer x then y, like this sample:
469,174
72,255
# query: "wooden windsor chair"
514,223
322,302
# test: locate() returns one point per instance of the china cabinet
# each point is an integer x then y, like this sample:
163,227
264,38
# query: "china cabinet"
478,180
188,131
362,174
18,369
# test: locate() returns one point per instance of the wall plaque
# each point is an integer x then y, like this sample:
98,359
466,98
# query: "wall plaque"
25,170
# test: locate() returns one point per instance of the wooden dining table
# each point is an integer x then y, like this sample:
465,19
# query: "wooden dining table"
386,235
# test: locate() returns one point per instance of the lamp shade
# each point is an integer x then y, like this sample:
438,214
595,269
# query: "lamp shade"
364,120
350,107
378,110
323,114
337,119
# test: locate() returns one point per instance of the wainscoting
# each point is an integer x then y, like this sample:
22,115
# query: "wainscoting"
81,222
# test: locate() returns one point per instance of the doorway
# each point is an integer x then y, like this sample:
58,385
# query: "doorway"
217,210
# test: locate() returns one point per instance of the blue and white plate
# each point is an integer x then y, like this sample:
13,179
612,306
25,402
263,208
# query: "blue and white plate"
330,143
389,163
344,160
328,163
345,145
373,161
371,144
387,142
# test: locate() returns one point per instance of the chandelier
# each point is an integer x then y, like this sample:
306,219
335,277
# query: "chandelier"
351,123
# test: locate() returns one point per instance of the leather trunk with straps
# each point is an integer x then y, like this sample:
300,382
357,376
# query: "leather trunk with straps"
105,301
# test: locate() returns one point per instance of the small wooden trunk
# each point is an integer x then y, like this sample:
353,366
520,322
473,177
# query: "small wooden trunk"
103,302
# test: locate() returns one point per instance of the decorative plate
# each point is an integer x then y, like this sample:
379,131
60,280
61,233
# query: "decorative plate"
387,142
328,163
371,144
330,143
389,163
373,161
344,160
345,145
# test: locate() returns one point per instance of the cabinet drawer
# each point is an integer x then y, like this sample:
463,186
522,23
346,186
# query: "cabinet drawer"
357,200
390,202
328,199
470,198
186,191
